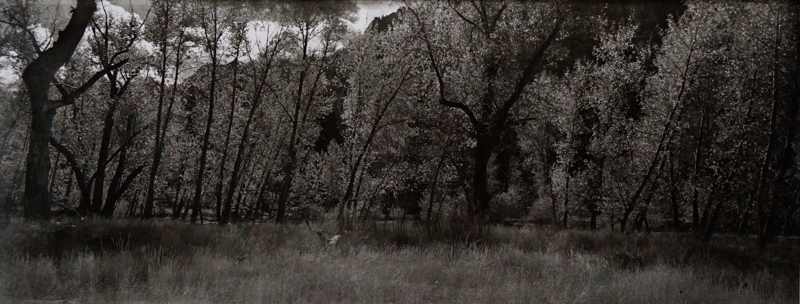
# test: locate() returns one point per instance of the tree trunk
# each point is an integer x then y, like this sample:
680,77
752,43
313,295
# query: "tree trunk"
596,197
83,183
186,208
666,136
132,205
267,180
162,119
115,181
489,131
480,188
108,210
565,218
695,178
637,223
37,77
224,160
198,188
435,183
286,186
785,161
553,202
111,196
158,147
211,45
237,165
289,169
212,97
743,218
712,221
630,208
673,195
102,159
53,176
69,186
176,210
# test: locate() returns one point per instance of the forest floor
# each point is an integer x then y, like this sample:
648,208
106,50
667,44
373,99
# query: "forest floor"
163,261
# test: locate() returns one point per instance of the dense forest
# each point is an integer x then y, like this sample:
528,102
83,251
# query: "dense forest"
626,116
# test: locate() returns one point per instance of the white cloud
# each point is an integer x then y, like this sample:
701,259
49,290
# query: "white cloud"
369,10
259,32
8,73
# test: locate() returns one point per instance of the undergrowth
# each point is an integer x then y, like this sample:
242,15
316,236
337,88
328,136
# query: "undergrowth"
170,261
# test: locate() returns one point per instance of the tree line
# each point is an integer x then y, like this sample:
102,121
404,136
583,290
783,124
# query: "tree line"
672,116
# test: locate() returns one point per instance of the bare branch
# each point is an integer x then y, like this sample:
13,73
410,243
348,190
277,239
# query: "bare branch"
69,98
527,76
442,99
475,25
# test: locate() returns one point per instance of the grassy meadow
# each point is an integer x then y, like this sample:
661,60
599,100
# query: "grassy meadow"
125,261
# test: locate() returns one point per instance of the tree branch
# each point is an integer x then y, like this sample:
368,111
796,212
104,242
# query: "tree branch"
69,98
442,99
55,57
83,184
527,76
71,160
475,25
127,182
116,152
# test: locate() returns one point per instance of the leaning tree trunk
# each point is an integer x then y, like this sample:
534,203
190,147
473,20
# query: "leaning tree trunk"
37,77
784,161
237,164
118,185
761,202
222,166
289,169
102,159
432,196
198,188
162,125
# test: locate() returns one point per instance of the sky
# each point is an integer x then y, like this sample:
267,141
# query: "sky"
367,11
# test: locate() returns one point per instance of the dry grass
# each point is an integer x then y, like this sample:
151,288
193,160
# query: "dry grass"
160,262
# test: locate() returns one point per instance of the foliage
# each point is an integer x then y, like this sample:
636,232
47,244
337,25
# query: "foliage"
480,108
